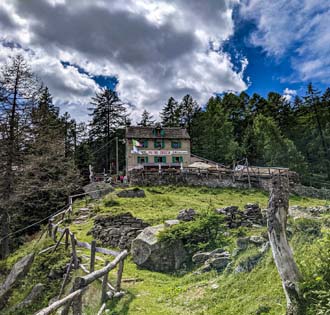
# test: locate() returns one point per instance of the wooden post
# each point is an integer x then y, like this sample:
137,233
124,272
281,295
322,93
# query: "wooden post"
248,172
74,253
50,227
119,275
67,233
287,268
59,241
93,250
77,301
66,277
104,285
54,233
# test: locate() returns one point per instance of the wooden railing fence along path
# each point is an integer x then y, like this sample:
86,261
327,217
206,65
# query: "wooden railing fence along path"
80,284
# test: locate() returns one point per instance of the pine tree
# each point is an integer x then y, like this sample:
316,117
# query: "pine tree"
170,114
108,114
48,175
146,119
18,90
188,109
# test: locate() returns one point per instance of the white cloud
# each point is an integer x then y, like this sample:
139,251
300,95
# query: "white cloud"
288,94
157,49
295,29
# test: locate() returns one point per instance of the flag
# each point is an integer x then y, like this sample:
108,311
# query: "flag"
136,143
136,150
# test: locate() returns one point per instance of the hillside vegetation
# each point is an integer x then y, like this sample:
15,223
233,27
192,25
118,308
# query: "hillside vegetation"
186,292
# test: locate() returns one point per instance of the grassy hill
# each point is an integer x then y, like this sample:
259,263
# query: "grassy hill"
185,292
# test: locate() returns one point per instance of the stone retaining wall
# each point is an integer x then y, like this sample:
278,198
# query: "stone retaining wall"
117,230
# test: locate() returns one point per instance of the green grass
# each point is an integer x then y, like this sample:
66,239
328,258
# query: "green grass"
183,292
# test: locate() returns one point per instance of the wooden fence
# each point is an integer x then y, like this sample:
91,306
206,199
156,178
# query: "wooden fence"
80,284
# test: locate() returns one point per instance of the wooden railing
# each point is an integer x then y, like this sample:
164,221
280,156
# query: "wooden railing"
80,284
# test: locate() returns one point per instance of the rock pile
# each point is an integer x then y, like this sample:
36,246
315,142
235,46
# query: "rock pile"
117,230
132,193
250,215
186,215
218,259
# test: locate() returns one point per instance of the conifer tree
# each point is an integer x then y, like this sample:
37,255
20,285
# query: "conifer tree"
188,109
108,114
146,119
170,114
18,90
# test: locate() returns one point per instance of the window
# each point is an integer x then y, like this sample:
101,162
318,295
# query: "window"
142,159
177,159
160,159
159,144
144,143
176,144
158,132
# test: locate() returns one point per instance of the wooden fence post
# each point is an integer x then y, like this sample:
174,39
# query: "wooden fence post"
104,285
93,250
59,241
119,275
50,227
74,253
54,233
77,302
66,277
67,233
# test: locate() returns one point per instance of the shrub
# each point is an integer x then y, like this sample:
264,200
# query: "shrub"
204,233
307,226
111,203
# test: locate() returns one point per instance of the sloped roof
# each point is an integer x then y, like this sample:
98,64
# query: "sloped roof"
146,133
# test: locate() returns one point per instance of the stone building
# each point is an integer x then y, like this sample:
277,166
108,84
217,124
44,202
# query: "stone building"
157,147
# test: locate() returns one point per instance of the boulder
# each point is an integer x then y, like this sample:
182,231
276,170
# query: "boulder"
248,263
97,190
151,253
33,296
219,263
200,258
257,240
19,270
169,223
186,215
132,193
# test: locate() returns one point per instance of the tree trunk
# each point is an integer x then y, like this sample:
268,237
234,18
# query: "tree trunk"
282,253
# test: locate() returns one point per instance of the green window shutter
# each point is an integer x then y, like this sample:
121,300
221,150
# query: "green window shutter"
179,146
162,132
163,143
181,159
173,159
155,159
164,159
139,159
172,144
155,144
147,159
146,143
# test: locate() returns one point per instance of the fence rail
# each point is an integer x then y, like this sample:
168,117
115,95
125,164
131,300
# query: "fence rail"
80,284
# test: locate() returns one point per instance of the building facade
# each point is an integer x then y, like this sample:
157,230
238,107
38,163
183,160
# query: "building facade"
157,147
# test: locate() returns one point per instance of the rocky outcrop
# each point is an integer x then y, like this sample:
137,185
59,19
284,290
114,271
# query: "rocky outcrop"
132,193
36,292
186,215
149,252
19,270
97,190
218,260
250,215
117,230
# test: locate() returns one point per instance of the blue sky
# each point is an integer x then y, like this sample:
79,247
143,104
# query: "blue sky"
150,50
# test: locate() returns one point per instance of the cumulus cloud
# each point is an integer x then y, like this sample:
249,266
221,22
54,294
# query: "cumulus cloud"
156,49
289,94
296,29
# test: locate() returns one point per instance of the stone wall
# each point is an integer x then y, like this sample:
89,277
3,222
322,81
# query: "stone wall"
117,230
215,181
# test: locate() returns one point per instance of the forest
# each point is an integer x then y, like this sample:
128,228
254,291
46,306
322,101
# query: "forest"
45,154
